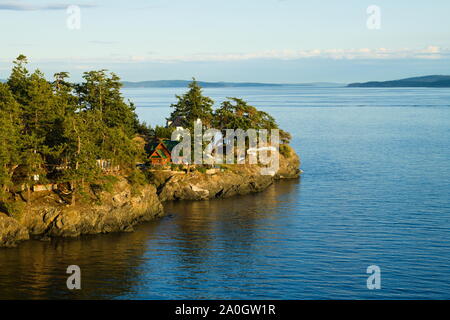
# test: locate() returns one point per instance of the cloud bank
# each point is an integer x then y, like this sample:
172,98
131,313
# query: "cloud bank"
430,52
14,6
378,54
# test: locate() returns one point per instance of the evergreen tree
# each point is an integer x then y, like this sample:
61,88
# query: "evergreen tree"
19,79
236,113
101,93
81,132
10,146
65,101
60,131
193,105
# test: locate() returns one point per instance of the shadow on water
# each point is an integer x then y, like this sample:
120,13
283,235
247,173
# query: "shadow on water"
178,256
218,241
37,269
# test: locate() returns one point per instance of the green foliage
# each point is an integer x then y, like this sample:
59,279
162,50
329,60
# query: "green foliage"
19,80
163,132
12,209
104,183
193,105
236,113
100,93
176,167
285,150
224,167
10,137
145,130
60,131
137,178
201,169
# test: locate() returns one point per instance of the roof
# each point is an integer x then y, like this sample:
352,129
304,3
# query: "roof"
168,144
161,154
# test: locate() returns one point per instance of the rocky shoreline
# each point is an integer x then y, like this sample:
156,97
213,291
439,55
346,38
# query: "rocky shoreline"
121,208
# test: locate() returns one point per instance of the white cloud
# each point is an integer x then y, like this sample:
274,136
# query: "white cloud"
430,52
15,6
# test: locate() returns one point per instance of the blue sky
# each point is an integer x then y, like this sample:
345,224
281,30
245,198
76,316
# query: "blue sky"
233,40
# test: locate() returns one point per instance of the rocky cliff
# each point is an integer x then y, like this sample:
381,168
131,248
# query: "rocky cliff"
231,180
121,209
118,210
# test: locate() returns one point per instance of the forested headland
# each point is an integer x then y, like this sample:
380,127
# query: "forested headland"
57,131
64,133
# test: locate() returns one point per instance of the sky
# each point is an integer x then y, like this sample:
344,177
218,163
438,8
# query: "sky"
278,41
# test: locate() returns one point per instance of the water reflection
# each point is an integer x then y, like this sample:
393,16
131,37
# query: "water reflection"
219,242
188,254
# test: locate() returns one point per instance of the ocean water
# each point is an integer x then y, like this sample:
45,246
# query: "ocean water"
375,191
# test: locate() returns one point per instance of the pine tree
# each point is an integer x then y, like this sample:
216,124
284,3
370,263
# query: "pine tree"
58,131
236,113
81,131
101,93
193,105
10,130
19,79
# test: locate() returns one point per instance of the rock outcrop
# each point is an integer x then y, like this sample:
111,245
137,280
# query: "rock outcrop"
201,186
289,165
121,209
11,231
235,180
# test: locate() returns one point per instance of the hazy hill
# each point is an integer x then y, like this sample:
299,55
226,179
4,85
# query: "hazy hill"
184,84
435,81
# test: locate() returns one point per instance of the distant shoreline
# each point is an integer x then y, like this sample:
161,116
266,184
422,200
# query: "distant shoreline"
204,84
434,81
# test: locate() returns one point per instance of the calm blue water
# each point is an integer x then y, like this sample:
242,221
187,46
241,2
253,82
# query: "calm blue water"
375,191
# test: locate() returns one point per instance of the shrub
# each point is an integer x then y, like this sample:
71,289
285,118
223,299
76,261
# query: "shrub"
285,150
137,178
201,169
13,208
108,183
176,167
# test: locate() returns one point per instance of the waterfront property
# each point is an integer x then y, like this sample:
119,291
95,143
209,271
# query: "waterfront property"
160,152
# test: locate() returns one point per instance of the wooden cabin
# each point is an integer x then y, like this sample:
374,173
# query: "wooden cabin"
160,152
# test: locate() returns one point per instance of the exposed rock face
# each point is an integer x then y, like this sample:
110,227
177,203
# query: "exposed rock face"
238,180
118,211
200,186
11,231
289,166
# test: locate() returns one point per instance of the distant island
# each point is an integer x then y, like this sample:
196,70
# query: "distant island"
185,83
221,84
434,81
217,84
